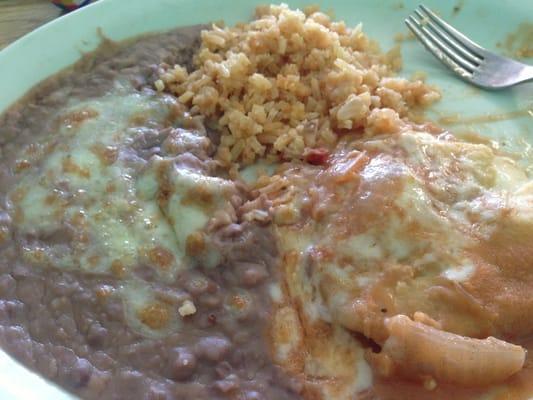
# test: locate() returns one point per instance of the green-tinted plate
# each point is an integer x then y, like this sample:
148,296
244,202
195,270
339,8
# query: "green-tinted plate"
61,42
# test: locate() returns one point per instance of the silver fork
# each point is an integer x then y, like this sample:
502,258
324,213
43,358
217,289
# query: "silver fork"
467,59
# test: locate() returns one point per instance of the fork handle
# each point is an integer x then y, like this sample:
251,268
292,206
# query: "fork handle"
526,74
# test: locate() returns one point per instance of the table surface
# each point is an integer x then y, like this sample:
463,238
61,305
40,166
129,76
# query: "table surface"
18,17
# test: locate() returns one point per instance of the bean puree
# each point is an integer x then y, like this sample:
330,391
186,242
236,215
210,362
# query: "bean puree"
131,266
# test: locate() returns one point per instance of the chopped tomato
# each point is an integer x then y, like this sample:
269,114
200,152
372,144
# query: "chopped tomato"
317,156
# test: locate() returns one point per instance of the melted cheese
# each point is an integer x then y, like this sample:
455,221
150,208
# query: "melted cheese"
331,357
146,314
75,187
459,273
395,238
104,203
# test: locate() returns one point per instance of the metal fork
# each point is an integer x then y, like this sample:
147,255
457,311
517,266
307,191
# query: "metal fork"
467,59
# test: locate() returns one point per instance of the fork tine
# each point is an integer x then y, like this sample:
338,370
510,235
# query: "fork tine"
450,41
438,48
469,66
467,43
412,24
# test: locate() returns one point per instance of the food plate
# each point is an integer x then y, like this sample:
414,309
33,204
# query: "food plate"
61,42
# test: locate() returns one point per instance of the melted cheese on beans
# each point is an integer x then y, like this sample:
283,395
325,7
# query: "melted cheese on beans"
93,204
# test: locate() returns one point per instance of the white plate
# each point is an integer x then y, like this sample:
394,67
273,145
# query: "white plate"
61,42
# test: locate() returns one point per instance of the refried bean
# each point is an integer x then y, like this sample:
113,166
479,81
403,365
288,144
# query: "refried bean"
68,323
